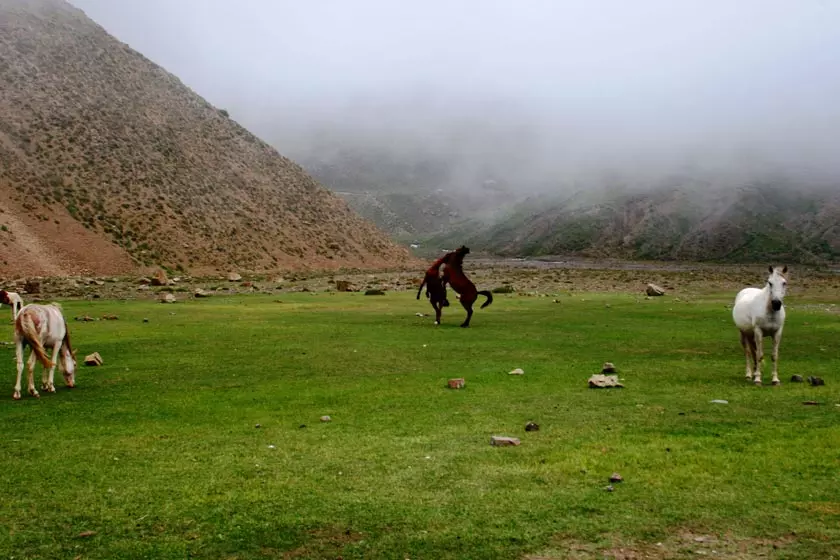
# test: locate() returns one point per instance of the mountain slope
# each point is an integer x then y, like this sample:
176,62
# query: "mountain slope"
691,222
136,169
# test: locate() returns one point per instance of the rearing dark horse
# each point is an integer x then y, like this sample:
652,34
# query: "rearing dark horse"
435,287
454,275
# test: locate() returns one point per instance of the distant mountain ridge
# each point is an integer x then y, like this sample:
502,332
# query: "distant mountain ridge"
109,163
699,222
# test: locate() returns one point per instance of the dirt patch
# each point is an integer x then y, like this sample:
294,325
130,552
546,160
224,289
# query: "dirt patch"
679,544
322,543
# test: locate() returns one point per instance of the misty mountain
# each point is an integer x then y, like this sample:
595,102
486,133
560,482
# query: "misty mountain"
699,221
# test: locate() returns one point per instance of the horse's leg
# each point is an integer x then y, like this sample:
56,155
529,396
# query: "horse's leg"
748,353
30,374
758,337
47,382
19,358
777,339
467,304
438,308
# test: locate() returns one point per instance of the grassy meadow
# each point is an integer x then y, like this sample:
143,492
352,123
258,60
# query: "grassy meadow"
157,453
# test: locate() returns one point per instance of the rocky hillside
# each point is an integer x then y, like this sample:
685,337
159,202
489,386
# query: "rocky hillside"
109,163
777,221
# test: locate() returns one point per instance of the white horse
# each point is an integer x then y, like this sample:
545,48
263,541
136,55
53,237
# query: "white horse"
12,300
758,313
41,327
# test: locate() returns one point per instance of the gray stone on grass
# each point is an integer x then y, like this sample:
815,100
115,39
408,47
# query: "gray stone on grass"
502,441
601,381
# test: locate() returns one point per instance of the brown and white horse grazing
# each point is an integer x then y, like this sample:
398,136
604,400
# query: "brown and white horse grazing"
42,327
435,287
12,300
454,275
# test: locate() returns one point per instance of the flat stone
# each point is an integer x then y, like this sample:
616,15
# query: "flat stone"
601,381
501,441
168,298
326,419
93,359
796,379
517,371
615,477
608,367
532,427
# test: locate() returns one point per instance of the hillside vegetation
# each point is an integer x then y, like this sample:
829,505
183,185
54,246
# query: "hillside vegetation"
108,162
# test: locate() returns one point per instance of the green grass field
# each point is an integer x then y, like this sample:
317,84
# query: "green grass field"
158,454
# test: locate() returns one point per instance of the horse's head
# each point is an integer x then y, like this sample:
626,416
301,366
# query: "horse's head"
4,297
68,366
777,284
463,250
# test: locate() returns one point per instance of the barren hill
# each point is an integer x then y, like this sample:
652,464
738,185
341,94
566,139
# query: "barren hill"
109,163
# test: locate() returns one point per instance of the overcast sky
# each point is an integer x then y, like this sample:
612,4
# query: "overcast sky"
632,82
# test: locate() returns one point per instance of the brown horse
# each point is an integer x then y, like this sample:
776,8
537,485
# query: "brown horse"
454,275
435,286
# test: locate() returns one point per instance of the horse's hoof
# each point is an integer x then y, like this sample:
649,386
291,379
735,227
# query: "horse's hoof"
437,322
757,382
776,382
16,395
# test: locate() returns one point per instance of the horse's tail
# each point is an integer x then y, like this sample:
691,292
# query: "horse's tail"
489,297
423,283
30,335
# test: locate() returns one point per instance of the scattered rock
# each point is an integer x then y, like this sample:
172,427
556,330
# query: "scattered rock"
201,293
796,379
457,383
258,425
503,290
601,381
302,426
160,279
811,403
234,277
374,292
110,317
168,298
517,371
247,284
93,359
654,290
501,441
420,314
719,401
609,488
343,286
815,381
84,318
145,319
144,281
532,427
615,478
608,367
32,287
272,447
326,419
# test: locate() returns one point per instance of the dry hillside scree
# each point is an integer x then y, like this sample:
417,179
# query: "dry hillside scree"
108,164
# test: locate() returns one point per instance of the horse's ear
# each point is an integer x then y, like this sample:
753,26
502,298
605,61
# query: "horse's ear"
784,270
771,269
